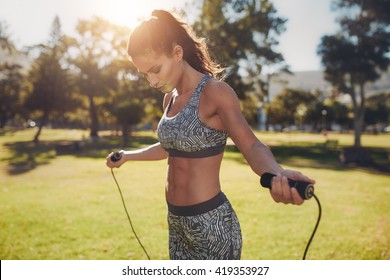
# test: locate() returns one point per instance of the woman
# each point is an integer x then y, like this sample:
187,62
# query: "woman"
200,111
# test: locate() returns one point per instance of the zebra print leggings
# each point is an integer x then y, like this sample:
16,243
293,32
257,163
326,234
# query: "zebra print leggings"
211,235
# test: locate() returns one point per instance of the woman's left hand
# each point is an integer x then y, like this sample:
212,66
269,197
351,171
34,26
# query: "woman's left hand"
282,192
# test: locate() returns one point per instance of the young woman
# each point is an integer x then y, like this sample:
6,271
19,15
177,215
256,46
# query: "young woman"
200,112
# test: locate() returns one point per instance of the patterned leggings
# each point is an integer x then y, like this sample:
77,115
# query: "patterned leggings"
213,235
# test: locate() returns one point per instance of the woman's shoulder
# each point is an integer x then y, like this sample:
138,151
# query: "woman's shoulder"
215,84
217,90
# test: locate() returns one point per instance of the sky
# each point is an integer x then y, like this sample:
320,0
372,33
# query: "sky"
28,21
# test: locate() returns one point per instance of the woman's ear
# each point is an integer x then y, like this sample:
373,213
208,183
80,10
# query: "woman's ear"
178,52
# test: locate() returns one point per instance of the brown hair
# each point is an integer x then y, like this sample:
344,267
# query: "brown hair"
162,31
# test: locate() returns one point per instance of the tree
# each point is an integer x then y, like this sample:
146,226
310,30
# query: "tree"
97,47
289,107
5,41
358,53
51,84
128,113
378,109
243,36
11,80
326,110
132,102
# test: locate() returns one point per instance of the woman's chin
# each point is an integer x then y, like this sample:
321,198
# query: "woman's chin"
166,89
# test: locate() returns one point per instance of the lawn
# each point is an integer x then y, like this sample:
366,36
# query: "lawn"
68,207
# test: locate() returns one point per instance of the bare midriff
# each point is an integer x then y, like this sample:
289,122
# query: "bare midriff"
192,180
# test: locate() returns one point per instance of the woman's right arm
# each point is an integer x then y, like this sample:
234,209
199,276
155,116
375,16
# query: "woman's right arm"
153,152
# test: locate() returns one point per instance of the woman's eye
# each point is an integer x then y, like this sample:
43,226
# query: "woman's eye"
156,70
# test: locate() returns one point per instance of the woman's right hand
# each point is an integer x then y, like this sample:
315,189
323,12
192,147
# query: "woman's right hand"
115,164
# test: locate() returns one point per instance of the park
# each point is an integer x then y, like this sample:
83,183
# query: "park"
68,101
66,205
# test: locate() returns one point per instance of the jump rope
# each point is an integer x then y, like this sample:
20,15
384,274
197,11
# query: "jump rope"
128,216
305,190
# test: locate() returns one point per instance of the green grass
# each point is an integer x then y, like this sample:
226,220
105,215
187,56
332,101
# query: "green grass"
68,207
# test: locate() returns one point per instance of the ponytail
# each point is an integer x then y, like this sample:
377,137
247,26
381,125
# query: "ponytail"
162,31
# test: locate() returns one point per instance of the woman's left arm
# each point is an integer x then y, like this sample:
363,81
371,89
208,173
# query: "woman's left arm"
257,154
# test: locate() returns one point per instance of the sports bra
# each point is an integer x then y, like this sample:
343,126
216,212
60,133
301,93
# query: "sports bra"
185,135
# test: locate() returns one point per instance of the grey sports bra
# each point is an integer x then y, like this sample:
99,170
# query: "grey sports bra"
185,135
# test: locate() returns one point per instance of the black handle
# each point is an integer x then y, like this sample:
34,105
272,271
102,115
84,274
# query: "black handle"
305,189
116,156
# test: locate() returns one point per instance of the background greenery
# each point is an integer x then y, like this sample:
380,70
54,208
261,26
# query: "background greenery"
85,79
67,206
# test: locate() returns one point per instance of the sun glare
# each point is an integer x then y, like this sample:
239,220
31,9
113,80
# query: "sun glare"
130,12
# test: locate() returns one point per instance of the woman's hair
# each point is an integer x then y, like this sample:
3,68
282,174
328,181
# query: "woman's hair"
162,31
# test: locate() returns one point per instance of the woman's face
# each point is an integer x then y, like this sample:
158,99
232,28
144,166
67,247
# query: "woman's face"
161,71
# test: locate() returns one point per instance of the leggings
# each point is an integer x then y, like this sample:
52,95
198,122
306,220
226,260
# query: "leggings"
206,231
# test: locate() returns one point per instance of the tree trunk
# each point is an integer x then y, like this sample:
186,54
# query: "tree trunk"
126,133
94,118
41,125
267,99
358,124
359,116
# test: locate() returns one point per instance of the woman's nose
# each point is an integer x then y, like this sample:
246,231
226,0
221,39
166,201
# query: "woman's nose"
153,85
153,82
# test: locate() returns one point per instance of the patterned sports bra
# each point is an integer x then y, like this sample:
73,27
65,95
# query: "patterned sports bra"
185,135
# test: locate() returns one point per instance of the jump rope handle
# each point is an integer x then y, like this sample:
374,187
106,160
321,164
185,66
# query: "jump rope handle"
305,189
116,156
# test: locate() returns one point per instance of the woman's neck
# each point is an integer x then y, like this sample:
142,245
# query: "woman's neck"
189,80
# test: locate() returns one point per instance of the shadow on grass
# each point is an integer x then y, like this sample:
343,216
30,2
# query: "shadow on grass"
26,156
302,155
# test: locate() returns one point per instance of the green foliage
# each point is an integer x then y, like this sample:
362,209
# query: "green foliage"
358,53
98,62
5,40
243,36
241,32
378,109
133,103
11,80
284,109
51,84
95,76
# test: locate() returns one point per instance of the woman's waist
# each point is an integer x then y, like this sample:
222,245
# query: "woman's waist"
191,192
191,187
197,208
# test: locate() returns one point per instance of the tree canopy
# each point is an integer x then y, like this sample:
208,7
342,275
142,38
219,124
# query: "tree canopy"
358,53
